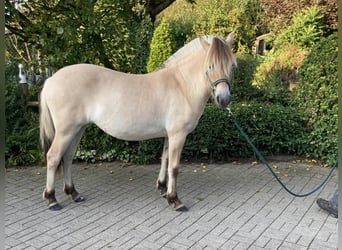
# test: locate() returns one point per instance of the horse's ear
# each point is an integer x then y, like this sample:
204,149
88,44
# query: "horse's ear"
203,42
230,39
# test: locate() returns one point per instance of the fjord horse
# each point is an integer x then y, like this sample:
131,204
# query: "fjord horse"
166,103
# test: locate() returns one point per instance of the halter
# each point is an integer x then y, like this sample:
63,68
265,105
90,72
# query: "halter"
215,83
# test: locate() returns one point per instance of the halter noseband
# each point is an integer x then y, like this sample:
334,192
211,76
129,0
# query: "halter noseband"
215,83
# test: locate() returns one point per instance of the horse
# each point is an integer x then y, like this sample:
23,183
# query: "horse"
166,103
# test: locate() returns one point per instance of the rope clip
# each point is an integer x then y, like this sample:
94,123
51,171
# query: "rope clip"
230,113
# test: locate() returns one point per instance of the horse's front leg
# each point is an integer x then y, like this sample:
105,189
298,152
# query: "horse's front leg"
162,178
176,144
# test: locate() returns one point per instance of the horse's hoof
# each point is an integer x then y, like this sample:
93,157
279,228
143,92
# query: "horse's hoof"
79,199
182,208
55,207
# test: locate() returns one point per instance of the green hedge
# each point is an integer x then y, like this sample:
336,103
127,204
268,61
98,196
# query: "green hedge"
22,123
274,129
317,98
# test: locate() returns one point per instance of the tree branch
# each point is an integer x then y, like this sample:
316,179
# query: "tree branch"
154,7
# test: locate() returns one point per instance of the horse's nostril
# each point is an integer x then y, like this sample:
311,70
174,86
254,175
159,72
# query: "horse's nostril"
218,99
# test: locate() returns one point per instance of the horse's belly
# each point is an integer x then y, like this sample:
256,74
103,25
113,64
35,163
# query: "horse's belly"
126,129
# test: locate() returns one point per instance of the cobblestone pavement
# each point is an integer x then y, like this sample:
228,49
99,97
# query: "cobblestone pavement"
231,206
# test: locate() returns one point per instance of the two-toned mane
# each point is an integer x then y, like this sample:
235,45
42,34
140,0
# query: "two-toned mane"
217,55
166,103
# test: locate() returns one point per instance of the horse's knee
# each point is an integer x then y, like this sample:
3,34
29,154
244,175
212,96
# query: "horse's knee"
53,161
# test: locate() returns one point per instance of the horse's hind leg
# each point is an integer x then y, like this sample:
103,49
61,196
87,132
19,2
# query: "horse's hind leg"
161,182
53,159
68,156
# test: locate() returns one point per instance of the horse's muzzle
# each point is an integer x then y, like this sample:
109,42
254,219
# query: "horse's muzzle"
222,95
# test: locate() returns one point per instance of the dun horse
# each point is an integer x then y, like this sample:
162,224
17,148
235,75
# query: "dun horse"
166,103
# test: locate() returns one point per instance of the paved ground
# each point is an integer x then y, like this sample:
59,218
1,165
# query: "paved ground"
231,206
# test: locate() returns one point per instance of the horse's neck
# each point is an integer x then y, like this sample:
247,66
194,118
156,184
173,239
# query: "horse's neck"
193,77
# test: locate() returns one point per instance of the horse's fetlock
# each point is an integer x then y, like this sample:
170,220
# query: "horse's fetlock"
161,186
50,196
69,189
174,201
171,197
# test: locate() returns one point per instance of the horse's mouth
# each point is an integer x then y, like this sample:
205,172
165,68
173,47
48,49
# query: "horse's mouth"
222,102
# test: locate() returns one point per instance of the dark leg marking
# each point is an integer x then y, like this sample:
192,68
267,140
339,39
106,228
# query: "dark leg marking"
173,199
175,172
162,188
52,202
70,190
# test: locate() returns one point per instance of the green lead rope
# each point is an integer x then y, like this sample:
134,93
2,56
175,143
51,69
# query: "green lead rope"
270,168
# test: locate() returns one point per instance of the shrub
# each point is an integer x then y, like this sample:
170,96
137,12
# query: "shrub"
305,30
98,146
277,14
243,75
162,46
274,129
223,16
317,97
278,73
22,124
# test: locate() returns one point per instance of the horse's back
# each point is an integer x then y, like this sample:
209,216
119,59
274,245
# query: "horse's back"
78,75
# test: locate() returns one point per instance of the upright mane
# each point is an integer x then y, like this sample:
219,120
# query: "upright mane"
185,50
220,55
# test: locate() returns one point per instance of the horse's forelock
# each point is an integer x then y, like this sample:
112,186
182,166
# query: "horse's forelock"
220,57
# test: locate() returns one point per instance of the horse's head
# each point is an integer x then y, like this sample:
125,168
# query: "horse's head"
219,63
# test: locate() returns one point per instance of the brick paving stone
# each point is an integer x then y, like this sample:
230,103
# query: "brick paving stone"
291,246
184,242
52,245
261,241
273,244
232,206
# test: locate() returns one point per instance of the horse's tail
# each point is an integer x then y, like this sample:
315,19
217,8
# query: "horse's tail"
47,128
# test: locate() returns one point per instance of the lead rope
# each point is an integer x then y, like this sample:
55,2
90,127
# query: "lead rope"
260,156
